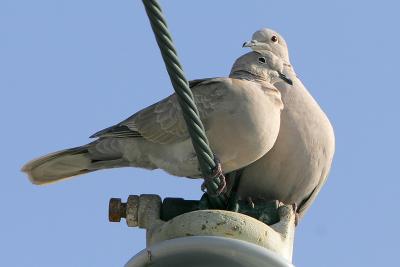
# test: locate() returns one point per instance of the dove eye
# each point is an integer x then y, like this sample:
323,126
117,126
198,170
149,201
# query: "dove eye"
262,60
274,39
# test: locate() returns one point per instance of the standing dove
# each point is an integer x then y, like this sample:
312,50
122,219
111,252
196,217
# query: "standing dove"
297,166
241,117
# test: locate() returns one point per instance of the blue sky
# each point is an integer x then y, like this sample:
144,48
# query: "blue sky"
71,68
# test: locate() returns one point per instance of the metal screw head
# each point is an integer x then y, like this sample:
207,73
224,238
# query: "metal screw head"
116,210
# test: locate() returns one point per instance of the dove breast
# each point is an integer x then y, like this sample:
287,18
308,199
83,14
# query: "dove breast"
296,168
246,125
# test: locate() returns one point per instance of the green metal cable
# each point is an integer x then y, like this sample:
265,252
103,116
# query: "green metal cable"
205,156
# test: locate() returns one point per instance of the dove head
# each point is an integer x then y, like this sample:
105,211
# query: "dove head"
269,41
253,66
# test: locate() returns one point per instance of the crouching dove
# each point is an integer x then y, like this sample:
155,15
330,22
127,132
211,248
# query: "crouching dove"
241,116
297,166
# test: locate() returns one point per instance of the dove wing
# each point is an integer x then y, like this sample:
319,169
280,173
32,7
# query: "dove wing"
163,122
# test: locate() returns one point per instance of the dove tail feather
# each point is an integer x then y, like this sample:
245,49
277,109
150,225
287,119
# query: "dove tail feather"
58,165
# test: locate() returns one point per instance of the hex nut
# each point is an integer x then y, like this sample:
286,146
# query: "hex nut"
132,211
149,210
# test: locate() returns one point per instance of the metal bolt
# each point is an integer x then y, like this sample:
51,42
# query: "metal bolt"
128,210
116,210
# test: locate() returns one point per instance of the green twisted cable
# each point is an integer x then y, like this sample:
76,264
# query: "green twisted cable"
195,127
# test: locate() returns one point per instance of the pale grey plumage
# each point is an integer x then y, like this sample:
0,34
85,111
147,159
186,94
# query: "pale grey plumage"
297,166
241,117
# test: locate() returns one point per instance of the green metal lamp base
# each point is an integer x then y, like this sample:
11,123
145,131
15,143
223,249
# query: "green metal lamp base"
264,211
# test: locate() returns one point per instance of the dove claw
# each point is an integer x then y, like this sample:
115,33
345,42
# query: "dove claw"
250,202
296,214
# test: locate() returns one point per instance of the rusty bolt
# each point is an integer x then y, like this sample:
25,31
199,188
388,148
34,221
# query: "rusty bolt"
128,210
116,210
138,210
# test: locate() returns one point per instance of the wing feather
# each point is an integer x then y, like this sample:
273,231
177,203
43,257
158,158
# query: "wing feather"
163,122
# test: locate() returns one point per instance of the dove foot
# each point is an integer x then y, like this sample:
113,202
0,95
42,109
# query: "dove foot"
250,202
296,214
260,209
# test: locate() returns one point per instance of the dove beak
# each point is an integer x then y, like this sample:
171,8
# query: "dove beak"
249,43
